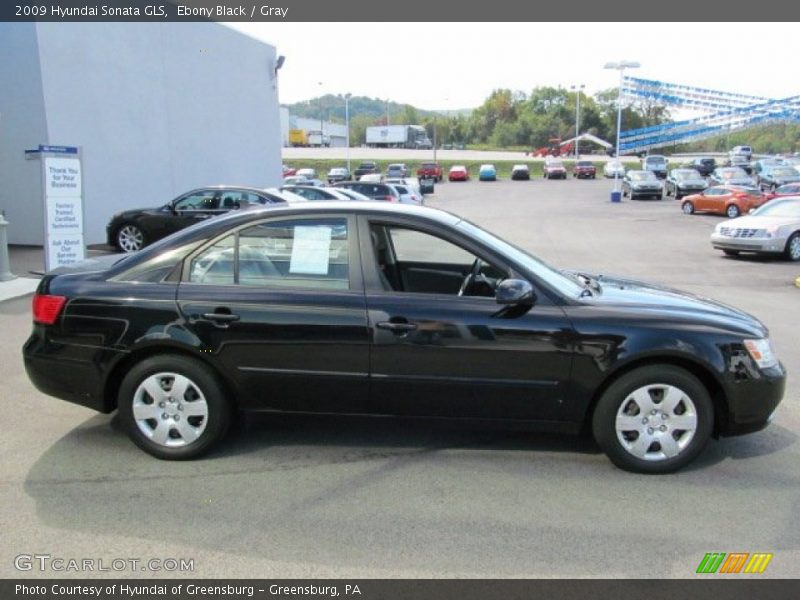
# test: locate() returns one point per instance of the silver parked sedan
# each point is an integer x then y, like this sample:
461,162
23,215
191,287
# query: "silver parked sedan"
772,229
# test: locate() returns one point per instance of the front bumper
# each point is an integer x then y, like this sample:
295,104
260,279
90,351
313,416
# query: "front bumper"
766,245
752,402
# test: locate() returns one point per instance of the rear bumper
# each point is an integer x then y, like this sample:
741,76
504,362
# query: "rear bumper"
752,403
55,370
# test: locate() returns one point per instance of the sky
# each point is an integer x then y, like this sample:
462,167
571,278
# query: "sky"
448,66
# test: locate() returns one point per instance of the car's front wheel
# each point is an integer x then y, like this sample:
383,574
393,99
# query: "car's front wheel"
130,238
654,419
687,208
173,407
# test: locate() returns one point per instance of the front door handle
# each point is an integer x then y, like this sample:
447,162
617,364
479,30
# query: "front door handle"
220,319
396,327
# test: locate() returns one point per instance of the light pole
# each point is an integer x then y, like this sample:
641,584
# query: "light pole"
577,89
347,125
321,111
387,112
619,66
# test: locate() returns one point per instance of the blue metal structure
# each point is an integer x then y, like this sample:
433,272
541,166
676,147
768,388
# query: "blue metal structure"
726,112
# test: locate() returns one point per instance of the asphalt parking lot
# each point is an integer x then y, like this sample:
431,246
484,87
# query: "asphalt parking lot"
315,497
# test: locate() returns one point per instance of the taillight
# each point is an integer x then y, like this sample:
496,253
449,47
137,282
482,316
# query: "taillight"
47,308
390,198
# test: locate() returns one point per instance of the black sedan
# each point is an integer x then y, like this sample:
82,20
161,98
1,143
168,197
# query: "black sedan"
704,165
132,230
683,182
387,310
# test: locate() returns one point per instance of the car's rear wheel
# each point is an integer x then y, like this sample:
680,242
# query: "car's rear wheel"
173,407
130,238
792,251
687,208
654,419
732,211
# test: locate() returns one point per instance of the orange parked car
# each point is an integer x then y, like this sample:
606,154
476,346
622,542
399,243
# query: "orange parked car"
729,200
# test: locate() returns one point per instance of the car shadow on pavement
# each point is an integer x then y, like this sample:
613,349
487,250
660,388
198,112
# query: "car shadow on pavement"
364,493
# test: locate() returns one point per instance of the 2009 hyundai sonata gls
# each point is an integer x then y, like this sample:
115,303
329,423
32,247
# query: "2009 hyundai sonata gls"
374,309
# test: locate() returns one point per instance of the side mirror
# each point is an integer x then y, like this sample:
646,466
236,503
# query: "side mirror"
515,292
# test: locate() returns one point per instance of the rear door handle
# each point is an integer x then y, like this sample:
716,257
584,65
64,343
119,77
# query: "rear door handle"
396,327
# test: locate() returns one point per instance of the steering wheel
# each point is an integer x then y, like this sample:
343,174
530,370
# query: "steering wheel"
473,276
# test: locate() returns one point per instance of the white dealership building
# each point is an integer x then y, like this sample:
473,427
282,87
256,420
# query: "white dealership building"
155,108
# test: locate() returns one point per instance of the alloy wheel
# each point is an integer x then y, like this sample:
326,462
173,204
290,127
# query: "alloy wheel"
130,238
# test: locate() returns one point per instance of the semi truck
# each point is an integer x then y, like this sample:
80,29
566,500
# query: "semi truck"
398,136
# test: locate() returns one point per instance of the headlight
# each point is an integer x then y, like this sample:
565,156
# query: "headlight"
761,352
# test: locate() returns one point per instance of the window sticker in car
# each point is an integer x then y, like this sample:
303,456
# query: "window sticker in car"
311,250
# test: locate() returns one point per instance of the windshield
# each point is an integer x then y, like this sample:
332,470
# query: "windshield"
584,163
655,160
642,176
552,277
686,174
783,208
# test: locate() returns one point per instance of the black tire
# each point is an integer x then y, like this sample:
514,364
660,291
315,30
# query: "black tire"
666,190
619,394
791,251
203,384
732,211
687,208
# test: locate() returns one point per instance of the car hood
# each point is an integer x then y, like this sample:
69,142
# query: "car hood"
656,300
756,222
692,183
134,212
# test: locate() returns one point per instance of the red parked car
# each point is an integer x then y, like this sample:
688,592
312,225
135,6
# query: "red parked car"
430,170
584,169
789,189
458,173
288,171
554,169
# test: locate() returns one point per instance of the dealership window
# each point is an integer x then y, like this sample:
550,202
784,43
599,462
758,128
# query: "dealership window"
311,254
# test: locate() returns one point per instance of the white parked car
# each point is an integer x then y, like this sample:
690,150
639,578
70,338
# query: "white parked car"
614,168
774,228
307,173
372,178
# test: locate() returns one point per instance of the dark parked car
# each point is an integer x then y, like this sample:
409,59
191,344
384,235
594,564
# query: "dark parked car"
365,168
774,176
730,176
639,184
132,230
682,182
378,309
374,190
704,165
